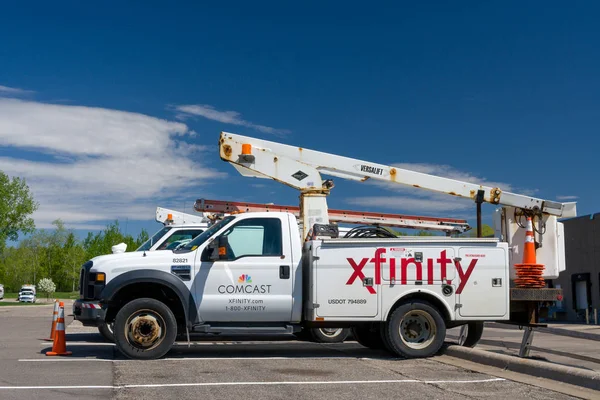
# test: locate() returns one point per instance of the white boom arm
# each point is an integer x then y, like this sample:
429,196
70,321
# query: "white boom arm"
302,168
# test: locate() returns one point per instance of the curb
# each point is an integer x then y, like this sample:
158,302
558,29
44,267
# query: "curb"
571,375
554,331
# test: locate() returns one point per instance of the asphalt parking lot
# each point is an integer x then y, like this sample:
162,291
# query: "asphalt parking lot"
227,368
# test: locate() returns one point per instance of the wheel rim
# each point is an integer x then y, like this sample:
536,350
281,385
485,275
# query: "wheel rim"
331,332
417,329
462,336
145,329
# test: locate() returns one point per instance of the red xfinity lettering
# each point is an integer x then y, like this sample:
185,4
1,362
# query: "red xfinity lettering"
379,260
358,273
464,276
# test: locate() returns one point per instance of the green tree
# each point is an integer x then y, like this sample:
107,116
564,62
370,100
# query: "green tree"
34,250
74,257
102,242
16,206
486,231
141,239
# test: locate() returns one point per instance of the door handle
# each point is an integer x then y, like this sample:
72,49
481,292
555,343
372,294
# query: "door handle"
284,272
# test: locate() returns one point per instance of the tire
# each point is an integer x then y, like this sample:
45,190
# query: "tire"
369,336
303,335
474,333
145,329
415,330
106,330
328,335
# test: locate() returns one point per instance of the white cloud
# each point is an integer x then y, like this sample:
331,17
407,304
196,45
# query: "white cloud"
415,205
410,200
447,171
95,164
226,117
9,91
566,198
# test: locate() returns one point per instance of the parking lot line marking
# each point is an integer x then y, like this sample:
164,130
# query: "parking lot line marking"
62,359
200,384
213,359
54,387
80,344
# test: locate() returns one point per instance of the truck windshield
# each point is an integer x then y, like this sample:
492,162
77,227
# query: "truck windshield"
203,237
155,238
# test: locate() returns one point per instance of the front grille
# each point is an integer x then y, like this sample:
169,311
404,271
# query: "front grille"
81,281
84,281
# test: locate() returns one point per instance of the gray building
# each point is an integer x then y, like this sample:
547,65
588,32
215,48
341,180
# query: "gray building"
581,280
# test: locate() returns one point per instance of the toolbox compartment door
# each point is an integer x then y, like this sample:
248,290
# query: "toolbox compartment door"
484,288
338,273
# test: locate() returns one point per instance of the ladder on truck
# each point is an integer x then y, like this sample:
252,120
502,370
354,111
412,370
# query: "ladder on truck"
450,226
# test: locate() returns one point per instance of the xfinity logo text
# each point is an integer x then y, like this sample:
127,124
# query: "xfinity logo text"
404,263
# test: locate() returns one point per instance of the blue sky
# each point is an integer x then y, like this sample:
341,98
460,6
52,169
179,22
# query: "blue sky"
93,100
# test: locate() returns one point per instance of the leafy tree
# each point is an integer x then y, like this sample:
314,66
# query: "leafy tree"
74,257
34,251
58,255
141,239
46,285
16,206
486,231
102,242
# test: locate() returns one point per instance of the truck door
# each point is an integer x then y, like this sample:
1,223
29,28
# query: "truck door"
337,292
254,283
484,287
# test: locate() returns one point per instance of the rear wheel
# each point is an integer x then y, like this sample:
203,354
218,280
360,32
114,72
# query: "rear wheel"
474,333
369,336
145,329
415,329
329,335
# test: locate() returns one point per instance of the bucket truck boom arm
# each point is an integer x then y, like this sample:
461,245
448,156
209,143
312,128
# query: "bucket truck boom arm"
302,168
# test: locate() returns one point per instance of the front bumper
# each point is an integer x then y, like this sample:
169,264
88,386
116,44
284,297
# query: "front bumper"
89,313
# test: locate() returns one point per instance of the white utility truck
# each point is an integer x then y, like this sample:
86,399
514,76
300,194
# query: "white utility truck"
180,228
253,272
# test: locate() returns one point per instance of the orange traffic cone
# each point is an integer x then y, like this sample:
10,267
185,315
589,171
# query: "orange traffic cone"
529,272
54,321
59,347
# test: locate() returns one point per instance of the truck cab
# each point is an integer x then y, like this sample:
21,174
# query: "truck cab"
243,268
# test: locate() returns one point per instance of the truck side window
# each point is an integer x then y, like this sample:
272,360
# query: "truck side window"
255,237
178,238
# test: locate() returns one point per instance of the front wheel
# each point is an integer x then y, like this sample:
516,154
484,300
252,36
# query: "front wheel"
145,329
329,335
415,329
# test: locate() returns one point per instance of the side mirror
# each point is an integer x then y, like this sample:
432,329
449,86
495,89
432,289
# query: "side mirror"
218,248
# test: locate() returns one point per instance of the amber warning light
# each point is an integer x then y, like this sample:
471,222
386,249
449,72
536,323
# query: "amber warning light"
246,155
